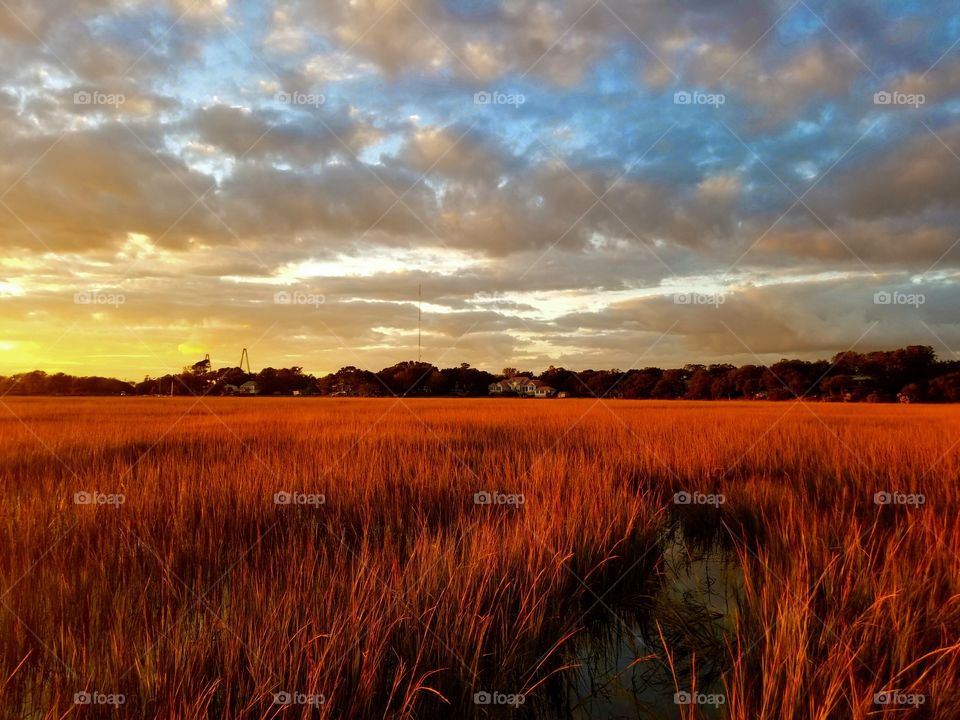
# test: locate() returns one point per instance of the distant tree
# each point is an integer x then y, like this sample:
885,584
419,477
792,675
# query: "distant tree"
789,379
61,384
351,381
912,393
709,383
847,363
838,388
188,383
639,384
747,380
148,386
229,376
599,383
700,384
466,381
722,386
202,367
105,386
561,380
910,374
284,381
945,388
412,378
915,363
31,383
38,382
672,384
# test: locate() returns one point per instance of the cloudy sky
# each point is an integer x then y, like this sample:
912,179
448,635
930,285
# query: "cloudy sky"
607,183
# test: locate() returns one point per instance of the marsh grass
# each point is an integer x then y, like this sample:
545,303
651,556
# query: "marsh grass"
398,597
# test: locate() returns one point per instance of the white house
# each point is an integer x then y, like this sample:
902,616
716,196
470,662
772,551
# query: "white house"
516,383
499,387
250,387
522,385
538,388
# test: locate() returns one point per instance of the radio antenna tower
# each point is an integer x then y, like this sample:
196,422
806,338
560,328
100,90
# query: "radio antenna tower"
419,321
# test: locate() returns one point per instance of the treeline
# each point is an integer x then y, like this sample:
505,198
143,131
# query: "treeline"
911,374
40,383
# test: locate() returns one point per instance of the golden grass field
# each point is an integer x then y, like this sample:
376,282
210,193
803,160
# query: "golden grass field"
199,596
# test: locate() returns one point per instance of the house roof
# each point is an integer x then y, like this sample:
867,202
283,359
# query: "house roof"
523,382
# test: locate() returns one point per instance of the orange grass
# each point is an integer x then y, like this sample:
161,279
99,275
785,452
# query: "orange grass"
399,597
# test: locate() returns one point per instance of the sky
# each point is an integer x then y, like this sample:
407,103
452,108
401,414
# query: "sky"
592,184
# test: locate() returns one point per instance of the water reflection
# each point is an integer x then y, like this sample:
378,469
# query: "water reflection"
667,635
